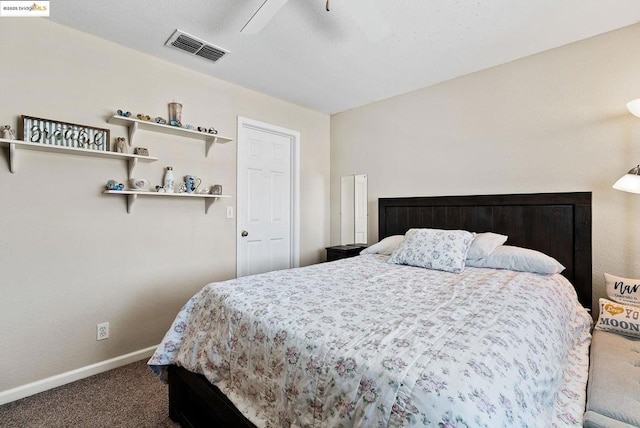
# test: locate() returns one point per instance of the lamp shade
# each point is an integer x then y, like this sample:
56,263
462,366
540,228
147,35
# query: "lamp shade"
630,182
634,107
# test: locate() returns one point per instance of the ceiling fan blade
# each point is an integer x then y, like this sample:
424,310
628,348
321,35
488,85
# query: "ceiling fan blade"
369,17
262,16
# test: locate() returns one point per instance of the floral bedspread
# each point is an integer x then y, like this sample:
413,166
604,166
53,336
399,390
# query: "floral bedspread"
363,343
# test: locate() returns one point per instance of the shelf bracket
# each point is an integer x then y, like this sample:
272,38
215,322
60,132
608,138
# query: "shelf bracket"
12,158
133,128
208,144
207,204
131,200
132,165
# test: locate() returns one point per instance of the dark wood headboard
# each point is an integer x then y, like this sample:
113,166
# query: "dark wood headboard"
557,224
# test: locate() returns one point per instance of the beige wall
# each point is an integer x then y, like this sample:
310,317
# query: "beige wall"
71,257
552,122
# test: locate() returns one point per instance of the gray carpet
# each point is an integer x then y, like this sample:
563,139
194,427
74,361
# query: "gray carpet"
130,396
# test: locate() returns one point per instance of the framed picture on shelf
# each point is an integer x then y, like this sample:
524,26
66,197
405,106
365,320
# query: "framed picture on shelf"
57,133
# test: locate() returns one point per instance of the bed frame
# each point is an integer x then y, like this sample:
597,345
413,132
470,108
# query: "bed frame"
558,224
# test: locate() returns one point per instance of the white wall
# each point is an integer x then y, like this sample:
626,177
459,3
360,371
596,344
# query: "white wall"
552,122
71,257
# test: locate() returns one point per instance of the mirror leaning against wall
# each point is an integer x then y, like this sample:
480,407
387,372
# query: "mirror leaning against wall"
353,209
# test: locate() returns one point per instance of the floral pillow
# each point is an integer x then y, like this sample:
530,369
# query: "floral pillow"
437,249
619,318
623,290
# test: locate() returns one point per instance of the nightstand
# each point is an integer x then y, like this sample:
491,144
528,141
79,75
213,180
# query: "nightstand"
343,251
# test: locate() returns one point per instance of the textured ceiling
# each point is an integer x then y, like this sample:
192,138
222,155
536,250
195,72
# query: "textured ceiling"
323,61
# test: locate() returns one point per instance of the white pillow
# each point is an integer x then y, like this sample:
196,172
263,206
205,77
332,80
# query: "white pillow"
484,243
520,259
387,246
437,249
622,290
619,318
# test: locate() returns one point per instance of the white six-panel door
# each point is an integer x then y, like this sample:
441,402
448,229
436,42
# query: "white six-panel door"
266,198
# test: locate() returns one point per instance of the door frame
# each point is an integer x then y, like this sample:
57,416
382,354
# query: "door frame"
294,138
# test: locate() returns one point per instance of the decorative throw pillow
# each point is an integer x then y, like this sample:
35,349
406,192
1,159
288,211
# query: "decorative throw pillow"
437,249
622,290
484,243
387,246
519,259
618,318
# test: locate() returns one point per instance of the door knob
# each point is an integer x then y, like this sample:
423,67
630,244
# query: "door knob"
244,233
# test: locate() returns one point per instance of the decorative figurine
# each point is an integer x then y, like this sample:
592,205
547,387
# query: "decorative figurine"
143,116
124,113
139,184
114,185
189,127
216,189
206,130
141,151
182,188
161,120
120,145
7,133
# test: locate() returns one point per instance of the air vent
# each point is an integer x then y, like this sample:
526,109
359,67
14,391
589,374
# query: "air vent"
195,46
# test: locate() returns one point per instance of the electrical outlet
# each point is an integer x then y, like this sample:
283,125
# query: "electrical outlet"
102,331
229,212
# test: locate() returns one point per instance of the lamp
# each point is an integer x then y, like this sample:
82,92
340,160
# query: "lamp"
634,107
630,182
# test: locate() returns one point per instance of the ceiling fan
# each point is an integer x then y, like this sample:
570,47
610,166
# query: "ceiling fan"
365,12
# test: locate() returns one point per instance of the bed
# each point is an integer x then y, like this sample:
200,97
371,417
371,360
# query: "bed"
396,353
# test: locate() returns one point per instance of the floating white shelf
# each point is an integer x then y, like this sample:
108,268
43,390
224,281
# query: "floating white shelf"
136,124
132,195
15,145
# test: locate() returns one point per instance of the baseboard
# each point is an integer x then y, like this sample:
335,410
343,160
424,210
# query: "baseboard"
73,375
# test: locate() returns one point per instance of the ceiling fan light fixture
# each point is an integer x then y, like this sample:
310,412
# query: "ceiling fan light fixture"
366,13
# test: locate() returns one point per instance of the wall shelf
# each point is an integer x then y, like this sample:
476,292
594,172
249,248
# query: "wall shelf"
135,124
132,196
15,145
